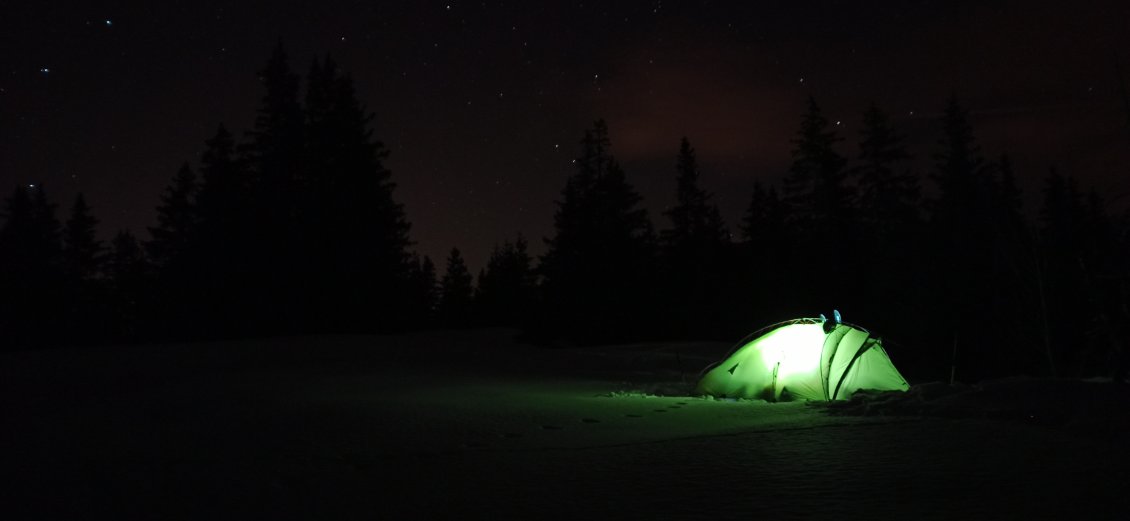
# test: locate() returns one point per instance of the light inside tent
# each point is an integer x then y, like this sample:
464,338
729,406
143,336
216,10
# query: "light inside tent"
793,347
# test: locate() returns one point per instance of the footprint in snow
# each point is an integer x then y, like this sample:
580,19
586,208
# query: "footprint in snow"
590,420
634,415
660,410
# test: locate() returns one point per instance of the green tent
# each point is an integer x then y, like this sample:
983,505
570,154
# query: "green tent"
808,359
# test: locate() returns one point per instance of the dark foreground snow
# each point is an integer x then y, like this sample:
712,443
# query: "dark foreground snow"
471,424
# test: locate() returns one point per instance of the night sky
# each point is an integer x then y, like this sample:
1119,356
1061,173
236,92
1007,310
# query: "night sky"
482,104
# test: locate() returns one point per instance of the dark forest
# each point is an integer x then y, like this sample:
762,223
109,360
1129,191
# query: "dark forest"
293,228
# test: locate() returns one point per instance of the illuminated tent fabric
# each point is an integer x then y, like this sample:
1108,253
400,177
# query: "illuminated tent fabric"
809,359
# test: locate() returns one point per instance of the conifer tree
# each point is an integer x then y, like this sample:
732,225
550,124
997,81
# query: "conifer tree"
888,191
693,250
1007,198
276,145
82,251
217,283
820,213
177,219
506,287
222,199
962,176
361,233
456,291
281,244
600,265
815,191
696,223
422,291
890,222
31,277
963,228
29,238
765,218
85,313
128,272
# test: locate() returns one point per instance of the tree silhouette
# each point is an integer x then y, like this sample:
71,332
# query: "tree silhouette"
31,274
1079,278
177,219
964,228
765,218
86,318
890,224
82,251
423,292
361,234
695,221
128,273
275,151
694,251
815,190
888,191
600,264
506,289
820,215
276,158
456,291
222,266
767,249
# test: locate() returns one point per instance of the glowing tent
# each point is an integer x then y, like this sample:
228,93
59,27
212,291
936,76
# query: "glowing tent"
808,359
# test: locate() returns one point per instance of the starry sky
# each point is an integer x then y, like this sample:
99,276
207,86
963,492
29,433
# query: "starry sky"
482,104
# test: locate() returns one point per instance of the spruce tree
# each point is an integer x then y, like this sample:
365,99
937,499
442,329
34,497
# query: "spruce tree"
694,249
456,291
815,190
85,316
506,287
217,283
963,230
359,232
696,223
281,245
177,219
31,275
222,199
276,140
961,174
890,224
764,221
766,251
599,269
820,211
422,292
128,272
82,251
888,191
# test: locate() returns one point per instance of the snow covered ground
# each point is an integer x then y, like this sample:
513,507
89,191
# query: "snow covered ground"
434,425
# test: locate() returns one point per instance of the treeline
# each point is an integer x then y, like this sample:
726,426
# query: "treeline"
293,229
